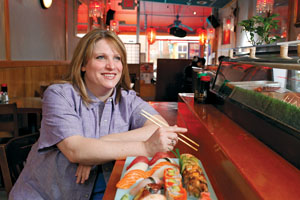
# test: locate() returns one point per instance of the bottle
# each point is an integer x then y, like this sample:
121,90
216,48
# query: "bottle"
203,89
4,96
197,88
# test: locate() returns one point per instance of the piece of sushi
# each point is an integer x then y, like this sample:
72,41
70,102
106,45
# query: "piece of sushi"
176,192
173,185
159,165
143,183
131,178
194,180
140,162
151,188
154,197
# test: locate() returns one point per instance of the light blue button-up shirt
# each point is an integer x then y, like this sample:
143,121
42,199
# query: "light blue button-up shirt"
48,174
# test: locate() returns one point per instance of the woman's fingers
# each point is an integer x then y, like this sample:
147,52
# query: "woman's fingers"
86,173
78,173
82,173
175,129
164,139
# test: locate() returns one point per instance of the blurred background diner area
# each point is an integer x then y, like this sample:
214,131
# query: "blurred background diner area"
161,38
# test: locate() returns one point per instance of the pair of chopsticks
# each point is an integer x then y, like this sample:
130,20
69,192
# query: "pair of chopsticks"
160,123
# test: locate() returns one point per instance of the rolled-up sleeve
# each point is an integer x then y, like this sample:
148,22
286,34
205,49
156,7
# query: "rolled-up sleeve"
138,104
60,117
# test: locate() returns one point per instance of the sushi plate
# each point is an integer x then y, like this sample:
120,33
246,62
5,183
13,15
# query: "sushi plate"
121,192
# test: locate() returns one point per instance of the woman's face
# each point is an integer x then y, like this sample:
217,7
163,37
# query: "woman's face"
104,70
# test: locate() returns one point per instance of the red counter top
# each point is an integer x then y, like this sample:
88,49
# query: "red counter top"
236,157
238,165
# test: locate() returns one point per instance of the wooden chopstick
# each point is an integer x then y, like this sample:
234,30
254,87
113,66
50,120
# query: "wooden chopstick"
187,144
160,123
165,124
155,118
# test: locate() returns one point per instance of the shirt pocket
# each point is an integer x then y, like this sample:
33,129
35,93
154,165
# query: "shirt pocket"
120,126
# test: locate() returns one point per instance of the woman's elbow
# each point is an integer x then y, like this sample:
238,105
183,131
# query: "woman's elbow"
70,148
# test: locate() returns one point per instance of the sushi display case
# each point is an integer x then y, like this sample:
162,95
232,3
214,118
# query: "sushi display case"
263,96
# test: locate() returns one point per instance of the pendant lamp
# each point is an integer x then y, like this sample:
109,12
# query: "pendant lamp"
202,33
151,35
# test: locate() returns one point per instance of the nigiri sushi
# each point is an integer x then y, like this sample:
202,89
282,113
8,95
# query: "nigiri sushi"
131,178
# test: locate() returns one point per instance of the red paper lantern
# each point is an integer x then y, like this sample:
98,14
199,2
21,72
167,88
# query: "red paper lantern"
95,9
114,26
151,35
210,33
202,33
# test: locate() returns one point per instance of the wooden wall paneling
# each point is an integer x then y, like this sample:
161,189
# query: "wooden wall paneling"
28,81
34,75
62,71
24,78
14,78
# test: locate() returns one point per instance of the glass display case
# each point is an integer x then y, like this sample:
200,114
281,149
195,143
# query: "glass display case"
263,96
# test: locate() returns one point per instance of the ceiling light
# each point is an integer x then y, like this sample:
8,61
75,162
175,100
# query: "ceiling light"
201,2
46,3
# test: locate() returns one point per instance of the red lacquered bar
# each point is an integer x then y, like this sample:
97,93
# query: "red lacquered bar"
238,165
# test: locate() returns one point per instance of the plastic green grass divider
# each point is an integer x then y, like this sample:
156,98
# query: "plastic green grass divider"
284,112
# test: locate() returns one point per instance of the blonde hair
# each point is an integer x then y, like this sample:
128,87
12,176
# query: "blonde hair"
83,53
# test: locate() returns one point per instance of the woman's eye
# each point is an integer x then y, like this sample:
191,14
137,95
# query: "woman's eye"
100,57
117,58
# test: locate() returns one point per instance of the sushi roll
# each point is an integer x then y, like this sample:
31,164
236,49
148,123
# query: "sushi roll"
173,185
194,180
176,192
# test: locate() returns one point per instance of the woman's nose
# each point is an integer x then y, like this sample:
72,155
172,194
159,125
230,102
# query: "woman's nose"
110,63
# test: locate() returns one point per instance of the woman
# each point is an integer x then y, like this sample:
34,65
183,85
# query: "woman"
90,120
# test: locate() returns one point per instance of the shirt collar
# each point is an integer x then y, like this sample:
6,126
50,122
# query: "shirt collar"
97,102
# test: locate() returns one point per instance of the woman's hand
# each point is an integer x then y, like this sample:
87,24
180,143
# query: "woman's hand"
163,139
82,173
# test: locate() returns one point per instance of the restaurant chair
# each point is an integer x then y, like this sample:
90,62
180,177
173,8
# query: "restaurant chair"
13,156
8,122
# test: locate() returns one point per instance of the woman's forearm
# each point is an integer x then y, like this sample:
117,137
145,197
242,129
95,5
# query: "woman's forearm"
140,134
90,151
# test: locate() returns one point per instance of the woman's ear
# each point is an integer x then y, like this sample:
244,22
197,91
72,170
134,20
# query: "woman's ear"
83,69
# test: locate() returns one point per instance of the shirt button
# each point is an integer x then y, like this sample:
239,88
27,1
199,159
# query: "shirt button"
109,100
86,196
105,120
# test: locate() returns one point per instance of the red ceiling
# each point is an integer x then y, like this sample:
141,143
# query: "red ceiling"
158,15
161,15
